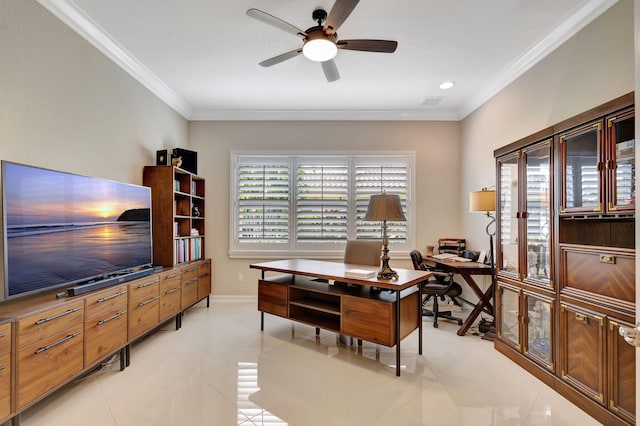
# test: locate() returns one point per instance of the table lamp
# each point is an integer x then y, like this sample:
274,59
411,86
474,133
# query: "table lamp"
383,207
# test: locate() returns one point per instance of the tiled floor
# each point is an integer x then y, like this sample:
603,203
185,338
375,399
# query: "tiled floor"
219,369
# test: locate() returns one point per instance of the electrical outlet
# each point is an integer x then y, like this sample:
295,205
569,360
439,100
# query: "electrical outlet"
239,277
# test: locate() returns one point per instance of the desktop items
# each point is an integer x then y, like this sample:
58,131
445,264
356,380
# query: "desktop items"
383,207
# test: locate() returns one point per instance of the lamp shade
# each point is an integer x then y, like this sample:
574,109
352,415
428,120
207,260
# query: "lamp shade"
482,201
385,207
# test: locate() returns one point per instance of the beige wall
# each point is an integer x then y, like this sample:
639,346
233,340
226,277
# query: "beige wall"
436,145
593,67
65,106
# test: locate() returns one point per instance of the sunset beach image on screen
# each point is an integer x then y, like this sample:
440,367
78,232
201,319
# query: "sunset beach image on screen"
62,228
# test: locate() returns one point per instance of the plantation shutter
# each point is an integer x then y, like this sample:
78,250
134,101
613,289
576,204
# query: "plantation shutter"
372,179
322,202
263,202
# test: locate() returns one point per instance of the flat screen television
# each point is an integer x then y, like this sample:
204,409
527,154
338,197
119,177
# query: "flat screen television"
62,229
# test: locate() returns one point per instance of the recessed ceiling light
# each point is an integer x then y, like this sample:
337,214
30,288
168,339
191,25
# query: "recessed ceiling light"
447,85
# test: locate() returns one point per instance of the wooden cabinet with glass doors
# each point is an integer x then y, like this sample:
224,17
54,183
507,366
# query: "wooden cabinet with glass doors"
597,169
525,295
565,258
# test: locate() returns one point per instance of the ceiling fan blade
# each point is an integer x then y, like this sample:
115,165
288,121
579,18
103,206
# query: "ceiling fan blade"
275,22
330,70
339,13
383,46
281,58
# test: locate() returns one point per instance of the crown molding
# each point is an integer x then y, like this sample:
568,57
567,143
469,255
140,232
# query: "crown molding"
69,13
563,32
325,115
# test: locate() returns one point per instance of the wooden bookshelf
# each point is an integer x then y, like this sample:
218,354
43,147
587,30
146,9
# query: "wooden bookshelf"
178,214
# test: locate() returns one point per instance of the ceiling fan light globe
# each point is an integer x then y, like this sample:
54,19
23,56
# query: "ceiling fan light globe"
319,49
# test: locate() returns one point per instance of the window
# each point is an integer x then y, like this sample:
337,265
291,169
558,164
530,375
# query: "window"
311,204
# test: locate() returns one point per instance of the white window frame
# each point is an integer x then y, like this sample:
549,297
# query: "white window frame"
318,250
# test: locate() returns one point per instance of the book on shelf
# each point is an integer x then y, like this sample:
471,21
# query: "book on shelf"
359,273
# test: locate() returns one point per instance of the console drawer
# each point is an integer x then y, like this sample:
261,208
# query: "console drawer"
34,328
170,294
97,305
204,279
5,338
143,315
189,292
144,287
189,272
45,364
104,335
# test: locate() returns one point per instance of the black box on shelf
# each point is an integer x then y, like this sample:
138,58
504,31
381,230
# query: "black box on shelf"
189,159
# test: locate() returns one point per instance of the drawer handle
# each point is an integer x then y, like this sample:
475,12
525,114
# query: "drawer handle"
173,290
204,275
146,302
607,258
192,269
2,367
173,275
149,283
113,296
2,335
59,342
191,282
70,311
580,317
118,315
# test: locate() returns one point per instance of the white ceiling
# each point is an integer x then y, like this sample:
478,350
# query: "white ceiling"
201,56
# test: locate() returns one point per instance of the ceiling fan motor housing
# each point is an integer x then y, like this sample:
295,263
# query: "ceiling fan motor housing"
319,15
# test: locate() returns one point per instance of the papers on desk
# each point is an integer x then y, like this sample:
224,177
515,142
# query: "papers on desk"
359,273
444,256
450,256
459,259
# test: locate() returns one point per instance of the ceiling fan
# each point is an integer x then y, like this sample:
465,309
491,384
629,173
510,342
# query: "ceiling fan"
321,43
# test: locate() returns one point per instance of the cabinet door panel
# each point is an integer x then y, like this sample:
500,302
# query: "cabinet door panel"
583,351
509,306
538,329
581,171
537,215
622,373
621,164
509,256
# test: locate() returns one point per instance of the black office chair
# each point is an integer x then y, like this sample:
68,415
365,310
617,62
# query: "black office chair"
439,285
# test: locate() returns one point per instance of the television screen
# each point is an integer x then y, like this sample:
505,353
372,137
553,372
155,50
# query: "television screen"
62,229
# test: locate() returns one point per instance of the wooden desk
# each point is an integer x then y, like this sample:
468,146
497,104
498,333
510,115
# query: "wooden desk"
467,270
305,294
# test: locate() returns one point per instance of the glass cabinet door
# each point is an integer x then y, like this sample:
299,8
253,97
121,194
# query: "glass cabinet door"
508,260
509,305
581,169
538,212
621,163
538,326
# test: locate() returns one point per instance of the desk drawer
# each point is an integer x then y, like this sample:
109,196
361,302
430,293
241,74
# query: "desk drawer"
33,328
369,320
46,364
272,298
